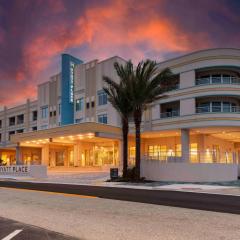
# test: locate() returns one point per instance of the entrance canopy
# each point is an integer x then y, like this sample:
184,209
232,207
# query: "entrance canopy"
68,134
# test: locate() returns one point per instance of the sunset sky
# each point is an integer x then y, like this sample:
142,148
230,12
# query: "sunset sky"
33,34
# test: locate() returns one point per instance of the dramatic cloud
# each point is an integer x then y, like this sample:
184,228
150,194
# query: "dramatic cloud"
33,34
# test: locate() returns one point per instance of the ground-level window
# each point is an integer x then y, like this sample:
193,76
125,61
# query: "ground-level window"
60,158
161,152
131,155
194,152
158,152
102,118
79,105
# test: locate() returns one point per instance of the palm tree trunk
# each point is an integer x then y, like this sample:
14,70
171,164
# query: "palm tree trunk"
125,130
137,121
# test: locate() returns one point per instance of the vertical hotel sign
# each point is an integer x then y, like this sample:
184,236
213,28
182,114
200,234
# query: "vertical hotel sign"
71,83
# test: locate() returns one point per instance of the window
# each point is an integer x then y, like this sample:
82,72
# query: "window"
20,131
131,156
226,107
11,121
54,113
216,78
102,118
216,106
34,115
0,137
79,120
87,105
157,152
102,98
0,123
203,107
51,114
92,104
194,152
79,105
20,119
203,80
34,128
226,79
10,134
44,112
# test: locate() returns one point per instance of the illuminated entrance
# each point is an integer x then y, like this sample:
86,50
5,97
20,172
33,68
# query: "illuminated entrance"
79,145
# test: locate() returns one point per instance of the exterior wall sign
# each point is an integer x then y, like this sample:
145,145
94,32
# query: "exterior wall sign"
14,169
71,83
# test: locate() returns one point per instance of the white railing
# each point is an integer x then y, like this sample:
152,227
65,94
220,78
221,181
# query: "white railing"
218,80
171,114
208,156
218,109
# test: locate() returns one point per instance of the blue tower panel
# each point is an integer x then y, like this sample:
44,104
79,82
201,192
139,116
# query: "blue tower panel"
67,88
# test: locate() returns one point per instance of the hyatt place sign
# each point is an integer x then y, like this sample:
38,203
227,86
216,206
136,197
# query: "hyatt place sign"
14,169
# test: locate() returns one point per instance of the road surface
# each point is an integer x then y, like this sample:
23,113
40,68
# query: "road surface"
93,218
10,229
201,201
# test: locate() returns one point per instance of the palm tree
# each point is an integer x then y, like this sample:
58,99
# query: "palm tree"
119,98
148,83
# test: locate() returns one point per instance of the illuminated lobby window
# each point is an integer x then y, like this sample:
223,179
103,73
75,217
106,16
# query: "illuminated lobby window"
178,150
158,152
131,155
193,152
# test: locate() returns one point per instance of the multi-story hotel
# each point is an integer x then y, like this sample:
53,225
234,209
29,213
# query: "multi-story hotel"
72,124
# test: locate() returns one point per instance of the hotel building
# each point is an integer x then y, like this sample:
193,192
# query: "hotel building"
72,124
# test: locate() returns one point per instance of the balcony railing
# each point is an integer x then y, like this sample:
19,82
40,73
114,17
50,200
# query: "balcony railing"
171,114
218,80
218,109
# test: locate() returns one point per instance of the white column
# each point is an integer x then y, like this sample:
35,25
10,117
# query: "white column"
18,155
76,157
185,144
45,155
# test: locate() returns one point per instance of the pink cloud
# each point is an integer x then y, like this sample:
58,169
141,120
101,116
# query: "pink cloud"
129,30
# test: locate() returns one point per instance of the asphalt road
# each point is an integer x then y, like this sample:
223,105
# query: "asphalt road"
200,201
10,229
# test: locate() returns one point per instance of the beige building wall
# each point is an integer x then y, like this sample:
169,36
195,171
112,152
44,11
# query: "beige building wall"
28,123
88,81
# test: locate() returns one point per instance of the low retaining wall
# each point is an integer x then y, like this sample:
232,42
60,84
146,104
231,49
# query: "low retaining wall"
34,171
188,172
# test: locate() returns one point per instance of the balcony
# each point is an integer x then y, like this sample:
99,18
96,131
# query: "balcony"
218,79
218,105
171,114
170,109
